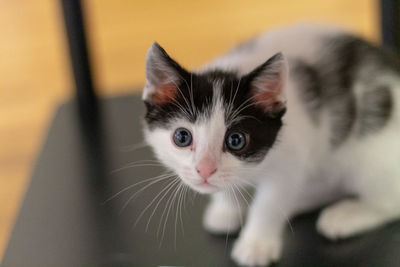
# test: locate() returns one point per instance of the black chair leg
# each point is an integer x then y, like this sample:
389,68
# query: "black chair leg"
390,24
79,54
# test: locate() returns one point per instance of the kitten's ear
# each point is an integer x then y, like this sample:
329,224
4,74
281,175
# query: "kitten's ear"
267,84
163,75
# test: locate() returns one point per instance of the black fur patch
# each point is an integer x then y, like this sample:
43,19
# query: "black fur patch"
263,128
195,101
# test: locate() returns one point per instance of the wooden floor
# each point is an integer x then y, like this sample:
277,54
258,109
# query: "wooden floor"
34,67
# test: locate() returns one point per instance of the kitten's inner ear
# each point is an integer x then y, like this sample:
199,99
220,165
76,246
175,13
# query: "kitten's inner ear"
267,84
163,76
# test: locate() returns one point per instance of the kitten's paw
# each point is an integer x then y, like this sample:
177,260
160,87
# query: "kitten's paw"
346,218
256,251
221,219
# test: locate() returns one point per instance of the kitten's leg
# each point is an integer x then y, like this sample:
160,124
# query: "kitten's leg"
260,240
224,213
353,216
378,202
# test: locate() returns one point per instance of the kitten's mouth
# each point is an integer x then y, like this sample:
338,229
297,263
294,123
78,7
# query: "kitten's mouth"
199,185
206,184
205,187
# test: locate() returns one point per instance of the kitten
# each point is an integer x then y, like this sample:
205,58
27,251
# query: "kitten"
307,114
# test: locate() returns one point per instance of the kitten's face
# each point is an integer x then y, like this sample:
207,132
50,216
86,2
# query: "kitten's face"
210,128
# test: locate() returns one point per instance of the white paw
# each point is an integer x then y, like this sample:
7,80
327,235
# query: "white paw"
344,219
256,251
221,219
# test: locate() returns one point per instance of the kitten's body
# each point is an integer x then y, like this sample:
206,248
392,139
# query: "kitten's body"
339,138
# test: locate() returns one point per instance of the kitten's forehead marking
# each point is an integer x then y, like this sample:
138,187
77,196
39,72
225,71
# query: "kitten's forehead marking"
211,130
217,94
216,104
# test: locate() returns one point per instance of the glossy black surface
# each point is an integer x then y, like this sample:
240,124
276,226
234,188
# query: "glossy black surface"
64,221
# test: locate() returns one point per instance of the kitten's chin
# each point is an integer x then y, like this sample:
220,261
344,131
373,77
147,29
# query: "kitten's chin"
204,188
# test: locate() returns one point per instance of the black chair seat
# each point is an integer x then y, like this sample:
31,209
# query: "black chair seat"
64,220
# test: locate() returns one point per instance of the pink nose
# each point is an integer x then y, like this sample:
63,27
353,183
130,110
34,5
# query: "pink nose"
206,167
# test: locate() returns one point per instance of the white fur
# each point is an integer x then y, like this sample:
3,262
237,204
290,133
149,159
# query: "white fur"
302,172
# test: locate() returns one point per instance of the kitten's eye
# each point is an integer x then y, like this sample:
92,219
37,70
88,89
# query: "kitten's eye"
182,137
235,141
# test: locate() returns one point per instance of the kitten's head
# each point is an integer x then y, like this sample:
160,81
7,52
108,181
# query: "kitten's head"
210,128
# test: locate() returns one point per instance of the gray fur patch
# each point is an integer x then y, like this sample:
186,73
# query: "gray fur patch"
246,46
310,90
324,93
343,117
375,111
329,85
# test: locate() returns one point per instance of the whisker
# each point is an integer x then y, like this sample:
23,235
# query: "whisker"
231,102
237,204
165,209
133,147
229,223
187,86
242,107
286,217
240,118
170,185
247,183
183,206
176,211
178,105
194,195
176,183
240,192
184,98
245,190
191,93
141,190
162,176
137,165
171,203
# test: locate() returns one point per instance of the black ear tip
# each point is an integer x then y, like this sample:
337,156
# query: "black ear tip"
156,49
156,45
278,56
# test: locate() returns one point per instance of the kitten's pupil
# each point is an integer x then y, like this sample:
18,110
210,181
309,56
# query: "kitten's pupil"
236,141
182,137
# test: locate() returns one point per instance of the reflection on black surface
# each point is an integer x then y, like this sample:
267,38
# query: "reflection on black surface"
111,243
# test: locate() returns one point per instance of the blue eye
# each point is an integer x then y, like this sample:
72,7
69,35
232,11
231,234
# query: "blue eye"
182,137
235,141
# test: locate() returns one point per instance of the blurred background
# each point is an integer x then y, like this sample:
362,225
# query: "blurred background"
35,75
